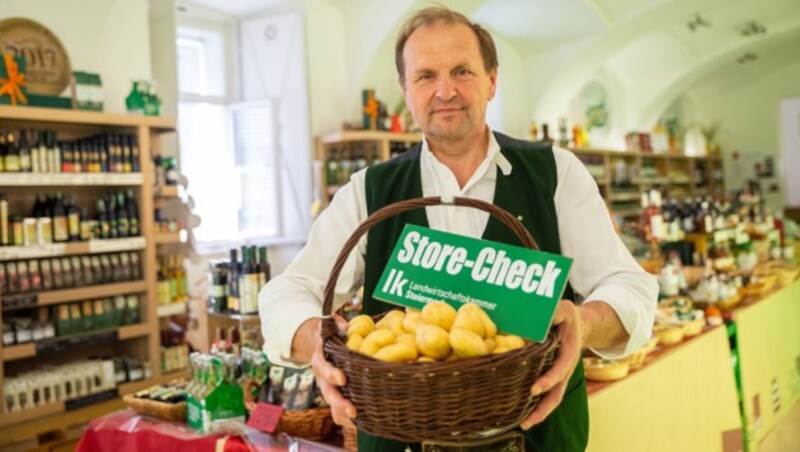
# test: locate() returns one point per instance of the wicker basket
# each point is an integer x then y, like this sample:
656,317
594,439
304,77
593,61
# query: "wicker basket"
439,401
161,410
314,424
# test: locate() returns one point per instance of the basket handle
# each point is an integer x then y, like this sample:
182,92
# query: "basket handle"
402,206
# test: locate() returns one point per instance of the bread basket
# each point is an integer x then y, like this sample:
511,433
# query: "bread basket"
439,401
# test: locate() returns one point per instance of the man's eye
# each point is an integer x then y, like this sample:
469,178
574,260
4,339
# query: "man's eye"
462,71
426,76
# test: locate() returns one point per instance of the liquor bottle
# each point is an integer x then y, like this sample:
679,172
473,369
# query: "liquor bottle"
134,145
133,214
233,280
163,292
180,278
245,286
103,223
54,152
60,221
103,152
73,220
546,133
127,167
123,216
39,154
266,272
24,153
5,237
12,154
333,170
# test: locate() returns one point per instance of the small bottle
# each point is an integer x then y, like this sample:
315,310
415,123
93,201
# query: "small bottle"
25,164
60,220
12,154
5,236
73,220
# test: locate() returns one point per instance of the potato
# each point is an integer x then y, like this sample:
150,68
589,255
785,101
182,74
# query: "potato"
489,328
490,344
411,321
470,320
354,342
375,341
509,341
361,325
407,338
432,341
393,321
397,353
500,349
425,359
440,314
467,344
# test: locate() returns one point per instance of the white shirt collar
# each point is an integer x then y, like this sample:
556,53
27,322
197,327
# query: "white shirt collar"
492,153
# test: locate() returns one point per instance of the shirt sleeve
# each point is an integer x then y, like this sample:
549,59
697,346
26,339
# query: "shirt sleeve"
296,295
603,268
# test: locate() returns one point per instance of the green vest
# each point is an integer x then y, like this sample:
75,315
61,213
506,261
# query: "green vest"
527,192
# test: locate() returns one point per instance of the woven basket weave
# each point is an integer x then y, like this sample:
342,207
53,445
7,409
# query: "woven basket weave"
314,424
441,401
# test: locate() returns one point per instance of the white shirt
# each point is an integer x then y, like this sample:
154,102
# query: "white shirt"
602,270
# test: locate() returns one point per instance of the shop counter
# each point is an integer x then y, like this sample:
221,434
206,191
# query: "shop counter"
767,337
684,398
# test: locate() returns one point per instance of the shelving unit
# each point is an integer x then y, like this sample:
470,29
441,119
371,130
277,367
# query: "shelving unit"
368,144
622,177
140,340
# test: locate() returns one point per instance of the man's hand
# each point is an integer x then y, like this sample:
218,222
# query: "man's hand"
329,380
572,336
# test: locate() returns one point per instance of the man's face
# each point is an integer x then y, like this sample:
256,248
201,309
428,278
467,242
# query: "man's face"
446,86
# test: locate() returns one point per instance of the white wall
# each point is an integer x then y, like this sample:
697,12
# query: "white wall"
790,146
108,37
327,70
747,110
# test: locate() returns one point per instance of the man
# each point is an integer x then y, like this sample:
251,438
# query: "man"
447,68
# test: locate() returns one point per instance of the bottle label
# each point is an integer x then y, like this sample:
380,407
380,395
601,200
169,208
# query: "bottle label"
657,226
60,229
708,223
12,163
74,225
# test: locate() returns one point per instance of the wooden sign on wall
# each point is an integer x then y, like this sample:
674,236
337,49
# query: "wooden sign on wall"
49,70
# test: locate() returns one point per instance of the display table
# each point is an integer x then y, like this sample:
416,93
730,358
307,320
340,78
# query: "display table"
768,342
126,431
683,399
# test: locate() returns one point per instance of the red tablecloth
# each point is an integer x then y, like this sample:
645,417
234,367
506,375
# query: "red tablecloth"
126,431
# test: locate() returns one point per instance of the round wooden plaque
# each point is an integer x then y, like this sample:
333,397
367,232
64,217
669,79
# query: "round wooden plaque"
47,63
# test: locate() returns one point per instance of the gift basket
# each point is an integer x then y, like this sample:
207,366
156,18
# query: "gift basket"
447,400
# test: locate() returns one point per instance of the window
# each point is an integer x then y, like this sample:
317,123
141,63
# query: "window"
244,131
227,148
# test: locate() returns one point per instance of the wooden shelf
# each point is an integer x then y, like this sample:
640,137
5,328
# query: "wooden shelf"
627,212
625,196
91,292
8,253
369,135
70,179
236,317
22,351
165,238
166,191
167,377
30,350
168,310
72,117
53,417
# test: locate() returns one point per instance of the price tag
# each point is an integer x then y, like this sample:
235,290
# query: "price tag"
741,235
265,417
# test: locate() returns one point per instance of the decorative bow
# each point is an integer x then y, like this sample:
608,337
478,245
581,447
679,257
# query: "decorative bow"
14,83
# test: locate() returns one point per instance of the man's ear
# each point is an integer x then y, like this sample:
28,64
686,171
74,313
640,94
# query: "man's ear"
493,83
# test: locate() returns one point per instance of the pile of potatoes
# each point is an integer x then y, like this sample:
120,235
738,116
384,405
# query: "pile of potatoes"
437,333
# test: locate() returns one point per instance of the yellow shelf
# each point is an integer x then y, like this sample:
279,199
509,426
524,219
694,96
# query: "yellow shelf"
168,310
61,116
8,253
23,351
164,238
166,191
91,292
369,135
70,179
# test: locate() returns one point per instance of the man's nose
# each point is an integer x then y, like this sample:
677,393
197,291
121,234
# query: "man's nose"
445,88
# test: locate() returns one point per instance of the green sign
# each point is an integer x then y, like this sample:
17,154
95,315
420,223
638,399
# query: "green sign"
519,288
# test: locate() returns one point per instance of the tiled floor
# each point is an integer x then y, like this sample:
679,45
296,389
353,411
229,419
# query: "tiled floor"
785,437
